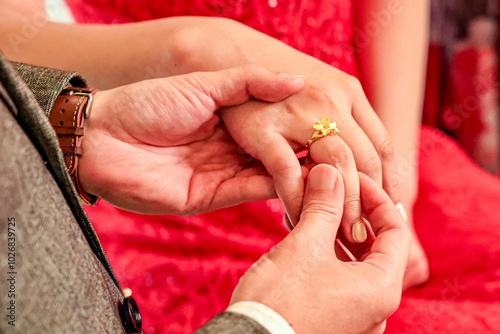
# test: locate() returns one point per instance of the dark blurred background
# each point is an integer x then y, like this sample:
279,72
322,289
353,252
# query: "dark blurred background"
462,91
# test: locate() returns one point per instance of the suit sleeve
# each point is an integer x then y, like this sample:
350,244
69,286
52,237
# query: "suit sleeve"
46,83
232,323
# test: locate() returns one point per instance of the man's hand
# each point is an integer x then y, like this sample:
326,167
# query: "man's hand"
156,147
303,280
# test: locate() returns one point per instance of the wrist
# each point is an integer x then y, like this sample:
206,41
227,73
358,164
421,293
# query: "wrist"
88,167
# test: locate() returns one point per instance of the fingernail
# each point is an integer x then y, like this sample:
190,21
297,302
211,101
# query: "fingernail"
290,75
402,211
323,176
359,232
296,77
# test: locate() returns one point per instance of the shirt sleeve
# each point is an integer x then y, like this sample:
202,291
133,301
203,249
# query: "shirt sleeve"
249,318
264,315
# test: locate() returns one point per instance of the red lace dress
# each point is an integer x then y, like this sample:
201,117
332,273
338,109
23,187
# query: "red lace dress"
182,270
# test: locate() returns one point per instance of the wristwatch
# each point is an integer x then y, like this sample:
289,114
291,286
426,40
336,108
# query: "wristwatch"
71,108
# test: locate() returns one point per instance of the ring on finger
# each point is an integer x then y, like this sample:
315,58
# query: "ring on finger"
323,128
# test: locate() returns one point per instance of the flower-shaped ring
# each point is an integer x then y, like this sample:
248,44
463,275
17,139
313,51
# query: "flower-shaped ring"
323,128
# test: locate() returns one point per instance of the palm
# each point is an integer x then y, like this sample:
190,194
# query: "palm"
188,179
155,146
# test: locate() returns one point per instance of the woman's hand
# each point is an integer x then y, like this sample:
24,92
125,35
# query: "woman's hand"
302,279
156,147
275,133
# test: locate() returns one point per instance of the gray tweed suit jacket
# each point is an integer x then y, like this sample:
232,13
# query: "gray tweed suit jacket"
54,274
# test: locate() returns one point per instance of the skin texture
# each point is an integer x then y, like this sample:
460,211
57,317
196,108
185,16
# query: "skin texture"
156,147
302,279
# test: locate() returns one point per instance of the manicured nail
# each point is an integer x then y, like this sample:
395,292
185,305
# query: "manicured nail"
402,211
293,77
297,80
296,77
289,75
359,232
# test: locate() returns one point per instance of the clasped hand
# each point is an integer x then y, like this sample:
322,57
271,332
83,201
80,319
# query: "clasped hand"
157,147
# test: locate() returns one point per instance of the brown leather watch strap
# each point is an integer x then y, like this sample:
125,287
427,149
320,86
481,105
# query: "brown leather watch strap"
71,108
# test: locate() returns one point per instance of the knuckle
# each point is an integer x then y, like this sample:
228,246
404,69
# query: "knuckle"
250,73
386,150
392,189
323,208
292,201
388,160
354,84
343,157
352,202
264,264
287,170
373,164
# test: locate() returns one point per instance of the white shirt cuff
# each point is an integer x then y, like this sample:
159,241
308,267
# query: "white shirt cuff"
264,315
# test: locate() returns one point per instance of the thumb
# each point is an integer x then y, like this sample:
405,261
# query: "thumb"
237,85
323,203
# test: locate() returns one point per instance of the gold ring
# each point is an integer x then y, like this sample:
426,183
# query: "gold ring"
323,128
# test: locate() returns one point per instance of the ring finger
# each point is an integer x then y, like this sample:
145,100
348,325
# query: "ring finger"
334,151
